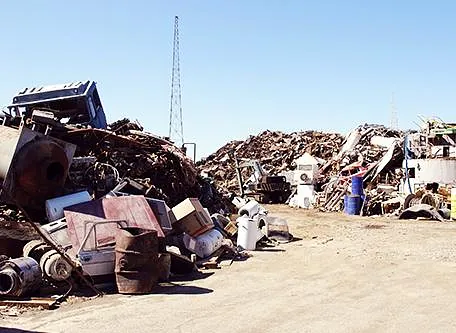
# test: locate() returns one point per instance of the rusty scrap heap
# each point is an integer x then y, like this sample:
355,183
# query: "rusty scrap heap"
275,150
87,203
128,152
83,201
373,152
278,151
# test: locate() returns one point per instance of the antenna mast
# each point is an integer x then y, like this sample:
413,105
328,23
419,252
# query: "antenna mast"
176,127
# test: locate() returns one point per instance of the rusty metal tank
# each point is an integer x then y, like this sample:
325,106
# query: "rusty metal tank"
33,166
136,266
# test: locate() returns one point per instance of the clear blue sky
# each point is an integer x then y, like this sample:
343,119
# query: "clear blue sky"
246,66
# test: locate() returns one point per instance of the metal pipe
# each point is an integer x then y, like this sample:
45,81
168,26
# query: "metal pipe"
407,177
194,149
19,276
239,176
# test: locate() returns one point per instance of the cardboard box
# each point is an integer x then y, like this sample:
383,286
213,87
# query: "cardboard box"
231,229
191,218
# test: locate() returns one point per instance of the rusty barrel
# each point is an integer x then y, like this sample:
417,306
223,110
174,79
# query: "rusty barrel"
136,260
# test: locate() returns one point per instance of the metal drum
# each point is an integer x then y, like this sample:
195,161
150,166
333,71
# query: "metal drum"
357,185
353,206
136,267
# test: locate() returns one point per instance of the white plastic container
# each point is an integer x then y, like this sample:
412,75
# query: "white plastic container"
204,245
251,208
55,206
248,233
239,202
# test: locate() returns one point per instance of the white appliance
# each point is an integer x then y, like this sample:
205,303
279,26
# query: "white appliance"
55,206
305,196
307,170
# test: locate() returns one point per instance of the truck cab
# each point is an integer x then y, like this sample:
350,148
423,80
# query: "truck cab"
76,103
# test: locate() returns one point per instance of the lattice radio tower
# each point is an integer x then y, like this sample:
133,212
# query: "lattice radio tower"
176,127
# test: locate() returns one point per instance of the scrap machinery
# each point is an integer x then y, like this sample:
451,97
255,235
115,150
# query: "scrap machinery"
261,186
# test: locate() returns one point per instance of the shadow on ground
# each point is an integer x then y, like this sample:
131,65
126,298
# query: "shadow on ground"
197,275
163,287
177,289
269,249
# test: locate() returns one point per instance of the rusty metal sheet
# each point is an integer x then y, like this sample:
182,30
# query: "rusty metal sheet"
133,209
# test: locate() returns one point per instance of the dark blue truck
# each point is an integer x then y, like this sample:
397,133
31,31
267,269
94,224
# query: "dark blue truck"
76,103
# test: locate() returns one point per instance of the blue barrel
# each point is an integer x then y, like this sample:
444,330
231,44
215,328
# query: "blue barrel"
357,185
345,203
353,206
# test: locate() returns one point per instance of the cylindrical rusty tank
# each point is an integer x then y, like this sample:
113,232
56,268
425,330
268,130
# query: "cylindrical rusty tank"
33,166
40,167
136,260
19,276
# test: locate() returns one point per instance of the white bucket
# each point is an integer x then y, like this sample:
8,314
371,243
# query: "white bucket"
248,233
55,206
204,245
251,208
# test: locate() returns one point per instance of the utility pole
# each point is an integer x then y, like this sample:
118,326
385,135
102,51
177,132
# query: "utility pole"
176,127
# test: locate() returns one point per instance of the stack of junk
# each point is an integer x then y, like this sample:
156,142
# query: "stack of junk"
85,203
373,170
87,206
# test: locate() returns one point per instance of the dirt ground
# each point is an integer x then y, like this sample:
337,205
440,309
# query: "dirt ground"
345,275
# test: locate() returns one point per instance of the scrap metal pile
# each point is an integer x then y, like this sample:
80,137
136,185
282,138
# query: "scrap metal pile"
117,185
103,158
275,150
87,203
372,151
